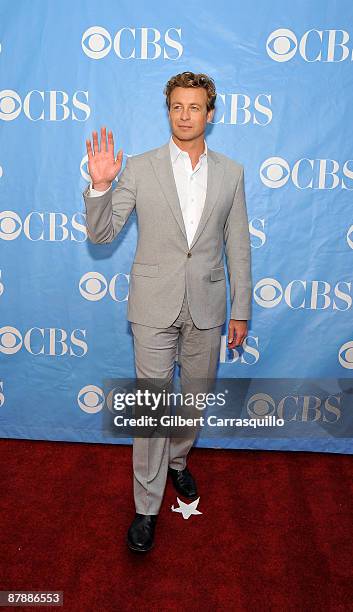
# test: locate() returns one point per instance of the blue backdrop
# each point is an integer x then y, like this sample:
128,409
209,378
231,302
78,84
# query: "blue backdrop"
284,83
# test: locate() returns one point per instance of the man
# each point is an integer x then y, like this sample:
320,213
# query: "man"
190,203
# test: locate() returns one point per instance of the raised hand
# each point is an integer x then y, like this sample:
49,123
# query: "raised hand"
102,166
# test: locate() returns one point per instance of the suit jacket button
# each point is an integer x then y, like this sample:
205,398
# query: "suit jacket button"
189,254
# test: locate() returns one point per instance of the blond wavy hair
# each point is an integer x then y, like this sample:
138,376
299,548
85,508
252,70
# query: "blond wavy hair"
190,79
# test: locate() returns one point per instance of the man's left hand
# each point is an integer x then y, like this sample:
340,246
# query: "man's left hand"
237,331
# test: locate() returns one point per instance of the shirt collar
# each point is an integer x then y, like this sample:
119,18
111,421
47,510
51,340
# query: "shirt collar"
175,150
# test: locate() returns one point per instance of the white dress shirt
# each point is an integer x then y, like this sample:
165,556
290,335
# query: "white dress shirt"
191,186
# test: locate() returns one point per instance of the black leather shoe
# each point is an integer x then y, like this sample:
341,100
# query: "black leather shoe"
183,482
141,532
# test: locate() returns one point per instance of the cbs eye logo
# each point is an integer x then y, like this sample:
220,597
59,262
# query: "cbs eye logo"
265,292
345,355
10,340
274,172
93,286
90,399
260,405
10,225
8,99
281,45
95,38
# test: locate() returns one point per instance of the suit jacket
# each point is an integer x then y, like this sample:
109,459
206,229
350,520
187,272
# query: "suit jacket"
164,263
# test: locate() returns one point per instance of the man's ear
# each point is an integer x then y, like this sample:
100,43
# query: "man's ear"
210,115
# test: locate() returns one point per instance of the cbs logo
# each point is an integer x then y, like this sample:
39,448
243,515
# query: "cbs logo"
132,43
313,46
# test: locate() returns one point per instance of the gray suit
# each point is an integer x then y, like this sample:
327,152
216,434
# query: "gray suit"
164,264
177,296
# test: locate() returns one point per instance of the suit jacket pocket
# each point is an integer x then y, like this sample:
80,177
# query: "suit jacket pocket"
217,274
142,269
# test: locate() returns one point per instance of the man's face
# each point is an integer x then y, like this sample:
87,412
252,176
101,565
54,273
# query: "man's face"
188,112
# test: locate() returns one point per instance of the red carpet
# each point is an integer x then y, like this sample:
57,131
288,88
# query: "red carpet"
275,534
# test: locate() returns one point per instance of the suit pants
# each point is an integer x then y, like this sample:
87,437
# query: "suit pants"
156,350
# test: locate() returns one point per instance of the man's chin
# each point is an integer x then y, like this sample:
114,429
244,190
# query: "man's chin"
185,134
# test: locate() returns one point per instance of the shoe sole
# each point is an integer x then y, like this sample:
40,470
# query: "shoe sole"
140,550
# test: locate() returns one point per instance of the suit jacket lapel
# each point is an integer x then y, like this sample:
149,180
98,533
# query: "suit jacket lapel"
215,173
164,171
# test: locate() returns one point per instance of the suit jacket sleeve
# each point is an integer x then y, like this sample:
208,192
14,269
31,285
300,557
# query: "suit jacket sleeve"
238,254
107,214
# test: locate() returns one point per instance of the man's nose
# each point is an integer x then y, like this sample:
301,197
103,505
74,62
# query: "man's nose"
185,114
